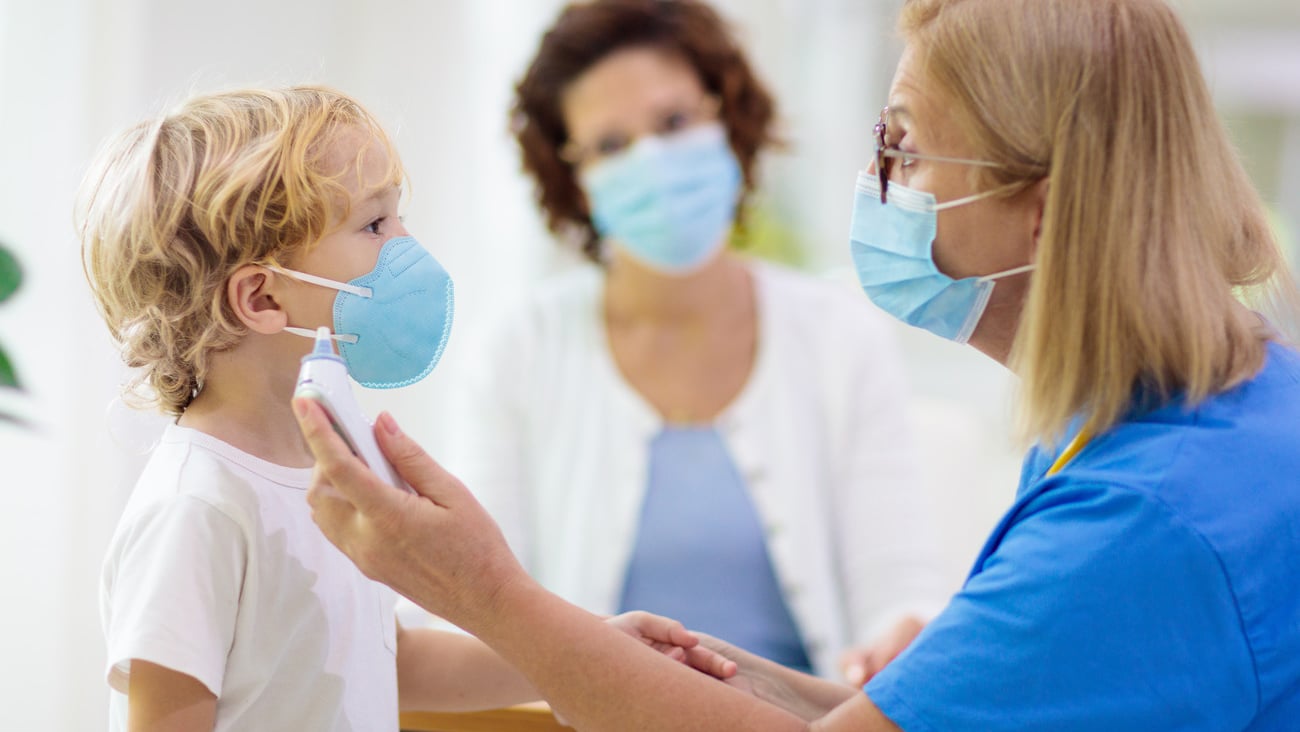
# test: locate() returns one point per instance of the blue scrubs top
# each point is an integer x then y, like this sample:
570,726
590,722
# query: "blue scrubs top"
1152,584
701,556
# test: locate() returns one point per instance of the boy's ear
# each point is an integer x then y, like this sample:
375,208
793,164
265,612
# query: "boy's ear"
250,295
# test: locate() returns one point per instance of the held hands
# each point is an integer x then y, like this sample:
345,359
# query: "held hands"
770,682
672,639
860,664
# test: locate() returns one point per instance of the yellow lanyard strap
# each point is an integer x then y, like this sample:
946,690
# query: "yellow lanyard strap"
1078,443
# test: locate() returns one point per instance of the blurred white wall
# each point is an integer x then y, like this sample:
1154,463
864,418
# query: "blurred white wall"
439,73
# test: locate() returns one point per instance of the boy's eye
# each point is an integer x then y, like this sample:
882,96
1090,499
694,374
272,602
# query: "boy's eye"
374,226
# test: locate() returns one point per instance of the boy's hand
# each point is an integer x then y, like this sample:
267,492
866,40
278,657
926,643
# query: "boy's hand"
672,639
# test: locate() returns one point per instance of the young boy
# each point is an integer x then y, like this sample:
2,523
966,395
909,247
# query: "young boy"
213,238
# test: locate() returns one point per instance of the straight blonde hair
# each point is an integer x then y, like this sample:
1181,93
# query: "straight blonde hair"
1151,228
173,206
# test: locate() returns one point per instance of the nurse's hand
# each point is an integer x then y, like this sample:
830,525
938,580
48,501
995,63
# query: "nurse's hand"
436,546
859,664
804,696
439,548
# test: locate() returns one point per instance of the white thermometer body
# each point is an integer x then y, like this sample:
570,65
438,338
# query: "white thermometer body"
323,378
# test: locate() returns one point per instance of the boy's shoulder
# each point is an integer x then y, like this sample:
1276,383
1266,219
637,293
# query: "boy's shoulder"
188,467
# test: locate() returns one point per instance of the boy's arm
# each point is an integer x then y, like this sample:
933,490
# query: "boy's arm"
440,671
449,672
162,700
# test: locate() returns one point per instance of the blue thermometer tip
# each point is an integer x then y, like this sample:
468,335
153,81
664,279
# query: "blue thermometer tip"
324,344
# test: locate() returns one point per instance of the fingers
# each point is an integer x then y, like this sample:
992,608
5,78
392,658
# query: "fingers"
325,444
699,658
657,628
858,665
671,638
339,473
855,674
413,464
677,653
678,634
348,501
710,662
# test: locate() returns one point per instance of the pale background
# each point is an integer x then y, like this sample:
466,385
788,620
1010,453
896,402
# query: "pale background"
439,74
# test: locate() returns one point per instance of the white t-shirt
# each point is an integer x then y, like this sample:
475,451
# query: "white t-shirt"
217,571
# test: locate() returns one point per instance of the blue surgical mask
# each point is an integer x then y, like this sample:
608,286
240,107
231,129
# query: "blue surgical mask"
892,247
668,200
391,324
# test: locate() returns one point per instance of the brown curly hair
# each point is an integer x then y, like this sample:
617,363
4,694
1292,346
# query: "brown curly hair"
583,35
173,206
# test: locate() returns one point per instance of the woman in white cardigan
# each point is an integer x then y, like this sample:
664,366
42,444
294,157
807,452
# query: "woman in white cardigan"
678,428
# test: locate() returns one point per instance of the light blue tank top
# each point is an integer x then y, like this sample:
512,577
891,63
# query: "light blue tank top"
700,556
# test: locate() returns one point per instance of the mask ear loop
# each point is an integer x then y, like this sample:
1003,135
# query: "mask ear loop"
312,279
978,197
974,197
1005,273
309,333
985,285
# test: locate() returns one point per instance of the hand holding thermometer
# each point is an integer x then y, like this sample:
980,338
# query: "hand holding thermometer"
323,378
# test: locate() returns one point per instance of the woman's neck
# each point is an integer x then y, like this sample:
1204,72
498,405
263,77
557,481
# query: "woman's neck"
995,335
637,293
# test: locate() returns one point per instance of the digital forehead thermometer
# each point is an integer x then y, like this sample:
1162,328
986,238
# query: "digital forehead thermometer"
323,378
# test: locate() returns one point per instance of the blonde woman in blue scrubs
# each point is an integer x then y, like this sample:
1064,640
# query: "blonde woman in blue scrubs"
1051,184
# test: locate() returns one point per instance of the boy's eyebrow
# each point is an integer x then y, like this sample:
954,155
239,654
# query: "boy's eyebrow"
382,192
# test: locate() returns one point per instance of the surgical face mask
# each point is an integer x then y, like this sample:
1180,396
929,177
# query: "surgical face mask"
391,324
892,247
668,200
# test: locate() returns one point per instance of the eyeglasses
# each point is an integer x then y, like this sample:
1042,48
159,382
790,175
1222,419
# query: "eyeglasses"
673,119
887,152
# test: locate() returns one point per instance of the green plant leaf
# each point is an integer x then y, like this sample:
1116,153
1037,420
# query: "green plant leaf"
7,375
11,275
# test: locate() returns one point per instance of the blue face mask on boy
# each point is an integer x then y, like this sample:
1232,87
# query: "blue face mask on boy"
391,324
669,200
892,247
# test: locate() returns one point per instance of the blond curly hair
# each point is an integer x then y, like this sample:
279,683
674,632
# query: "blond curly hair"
173,206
